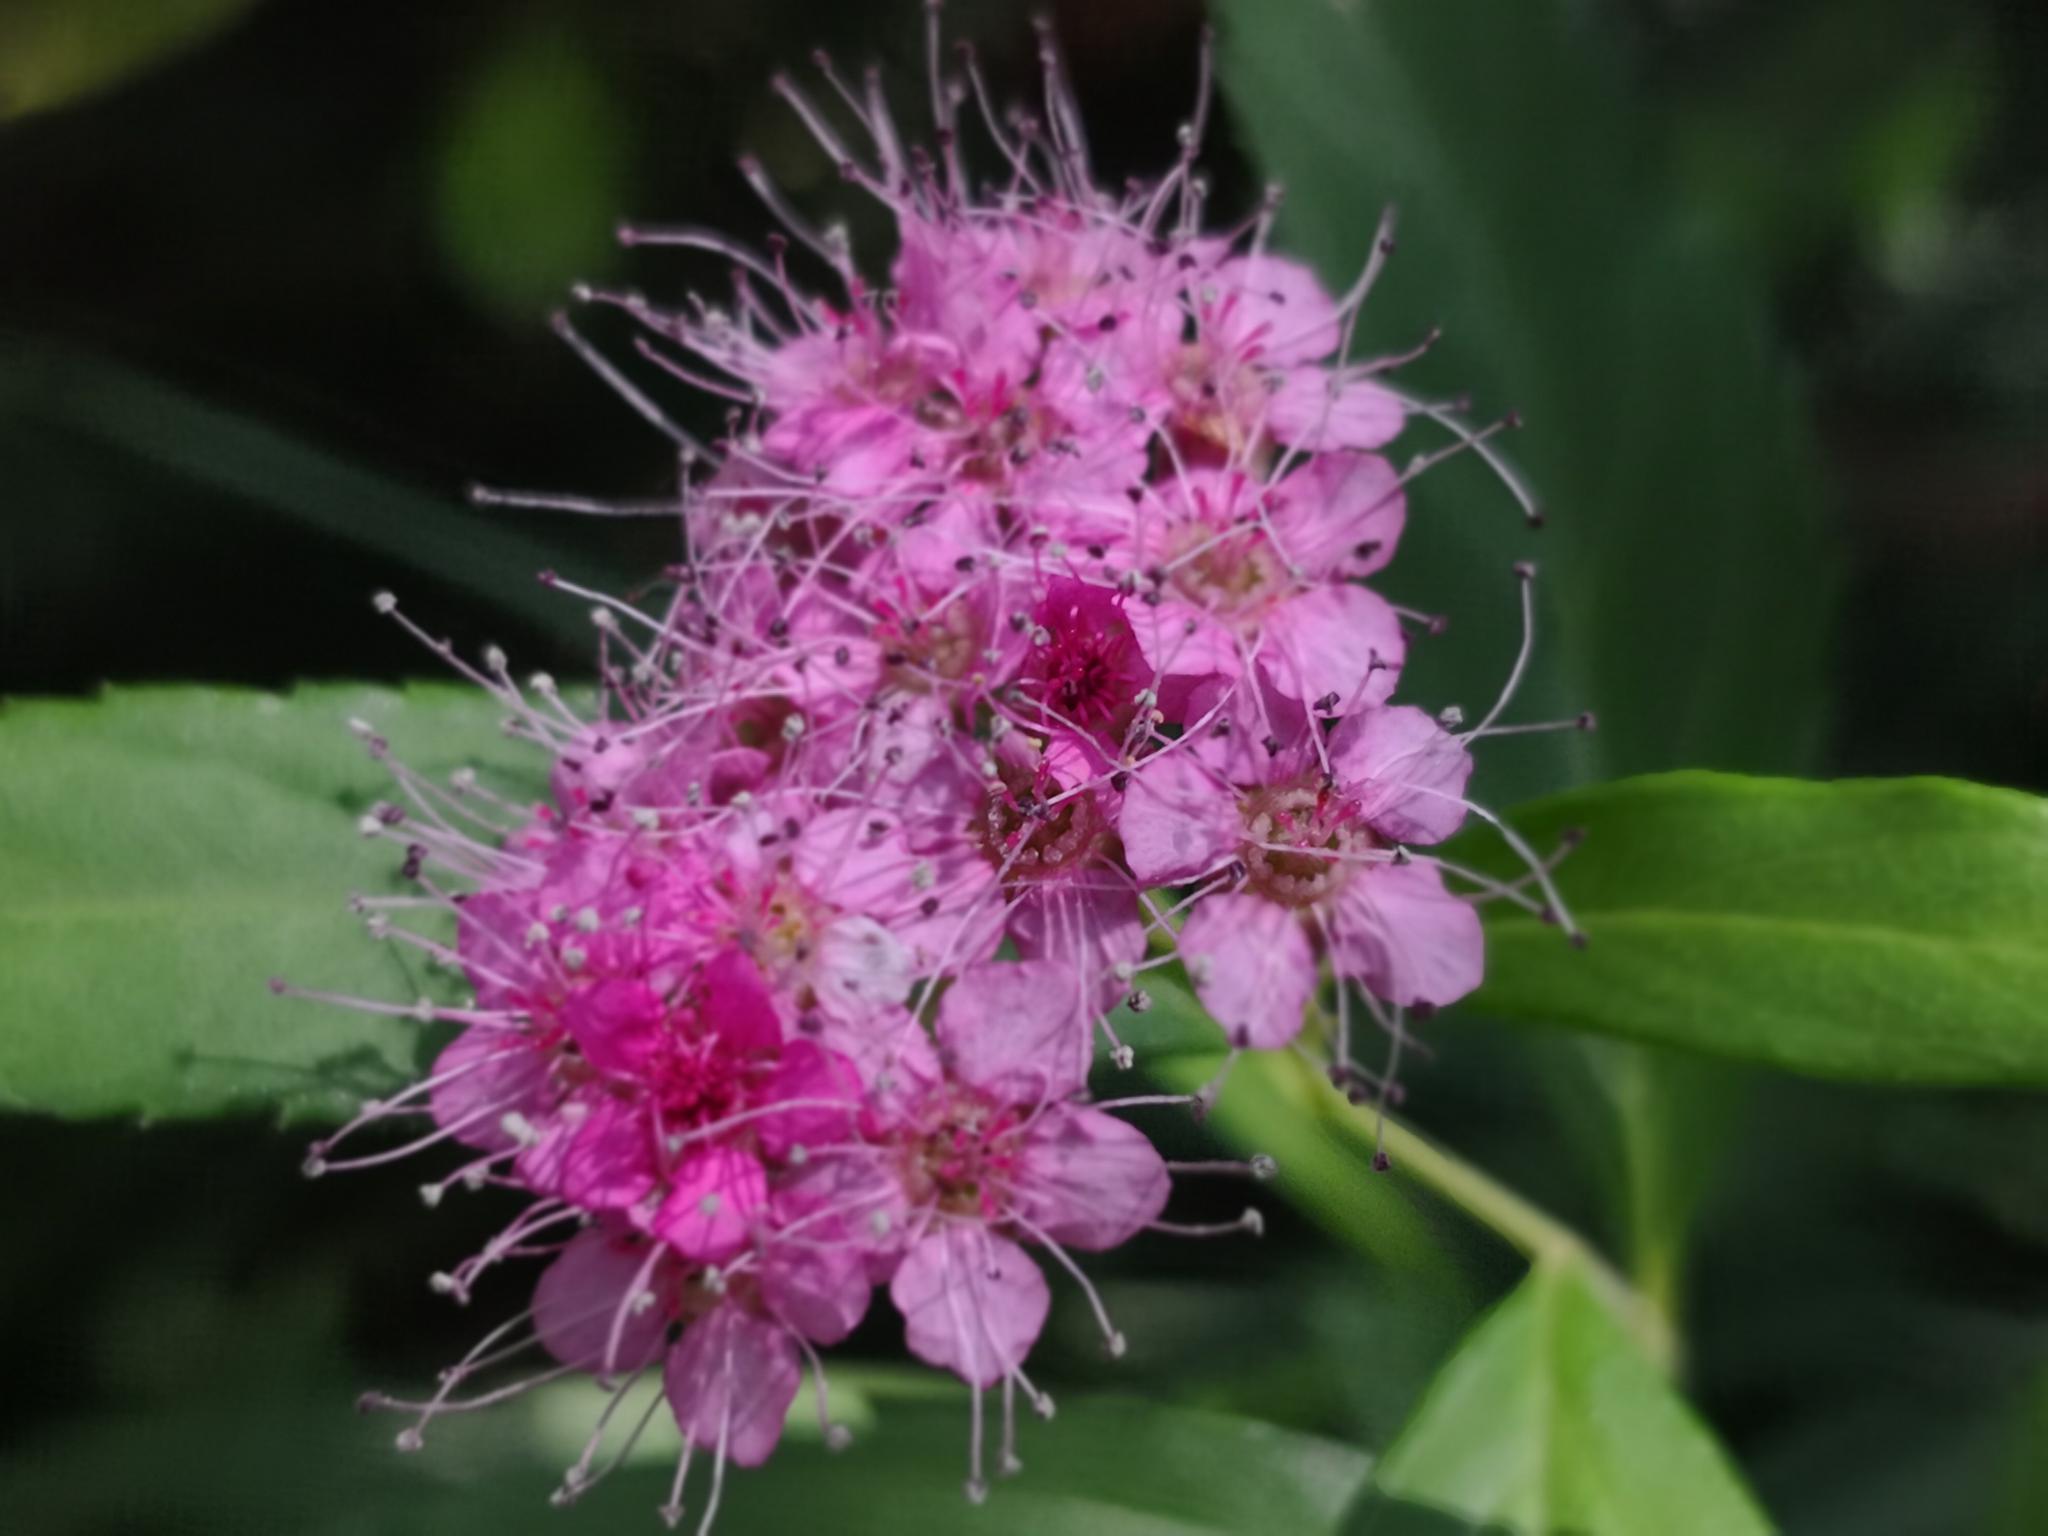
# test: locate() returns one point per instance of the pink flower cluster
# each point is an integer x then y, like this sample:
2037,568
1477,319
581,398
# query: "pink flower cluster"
1023,649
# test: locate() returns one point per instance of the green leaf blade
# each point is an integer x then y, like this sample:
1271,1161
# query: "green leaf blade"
1686,582
1548,1420
167,851
1884,930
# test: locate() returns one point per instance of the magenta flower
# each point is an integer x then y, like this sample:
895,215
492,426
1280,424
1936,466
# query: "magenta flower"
1022,651
1311,841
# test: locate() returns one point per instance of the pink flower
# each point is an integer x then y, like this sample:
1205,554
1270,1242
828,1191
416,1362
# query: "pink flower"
1317,862
990,1155
1256,581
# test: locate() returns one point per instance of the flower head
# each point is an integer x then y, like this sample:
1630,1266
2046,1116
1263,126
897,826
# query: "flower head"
1023,649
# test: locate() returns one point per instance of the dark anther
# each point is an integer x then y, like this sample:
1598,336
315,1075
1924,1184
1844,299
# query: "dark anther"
1120,781
929,906
1381,1162
964,564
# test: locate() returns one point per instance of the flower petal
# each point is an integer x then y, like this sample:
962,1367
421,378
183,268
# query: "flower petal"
583,1312
1406,772
1313,411
1251,965
1088,1179
972,1303
1341,514
1405,938
1341,640
1178,819
711,1203
818,1288
730,1381
1018,1030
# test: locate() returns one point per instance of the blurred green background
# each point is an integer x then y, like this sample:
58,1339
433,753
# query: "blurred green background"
1769,282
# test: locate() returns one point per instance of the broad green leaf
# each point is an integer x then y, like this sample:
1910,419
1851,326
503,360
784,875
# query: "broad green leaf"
1684,589
54,51
481,552
1548,1421
1100,1468
169,850
1890,930
532,174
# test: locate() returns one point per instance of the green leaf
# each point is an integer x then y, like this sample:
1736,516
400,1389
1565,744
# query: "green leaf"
1685,587
54,51
532,174
1100,1468
1547,1420
1890,930
167,851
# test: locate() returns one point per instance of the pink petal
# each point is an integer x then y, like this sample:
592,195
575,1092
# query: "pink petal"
618,1024
849,1200
1407,939
819,1079
1342,513
860,969
501,1072
1251,965
595,1151
1339,639
1309,414
581,1309
736,1006
1014,1030
1406,772
730,1381
711,1203
819,1289
1276,310
1181,640
1087,925
1178,820
972,1302
1088,1179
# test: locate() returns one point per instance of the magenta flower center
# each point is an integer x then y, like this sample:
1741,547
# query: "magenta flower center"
1302,843
963,1159
1229,572
1031,833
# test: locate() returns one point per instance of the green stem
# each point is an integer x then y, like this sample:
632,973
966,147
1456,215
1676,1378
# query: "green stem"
1526,1227
1531,1231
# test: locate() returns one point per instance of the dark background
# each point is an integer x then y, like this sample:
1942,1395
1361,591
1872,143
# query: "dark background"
270,298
